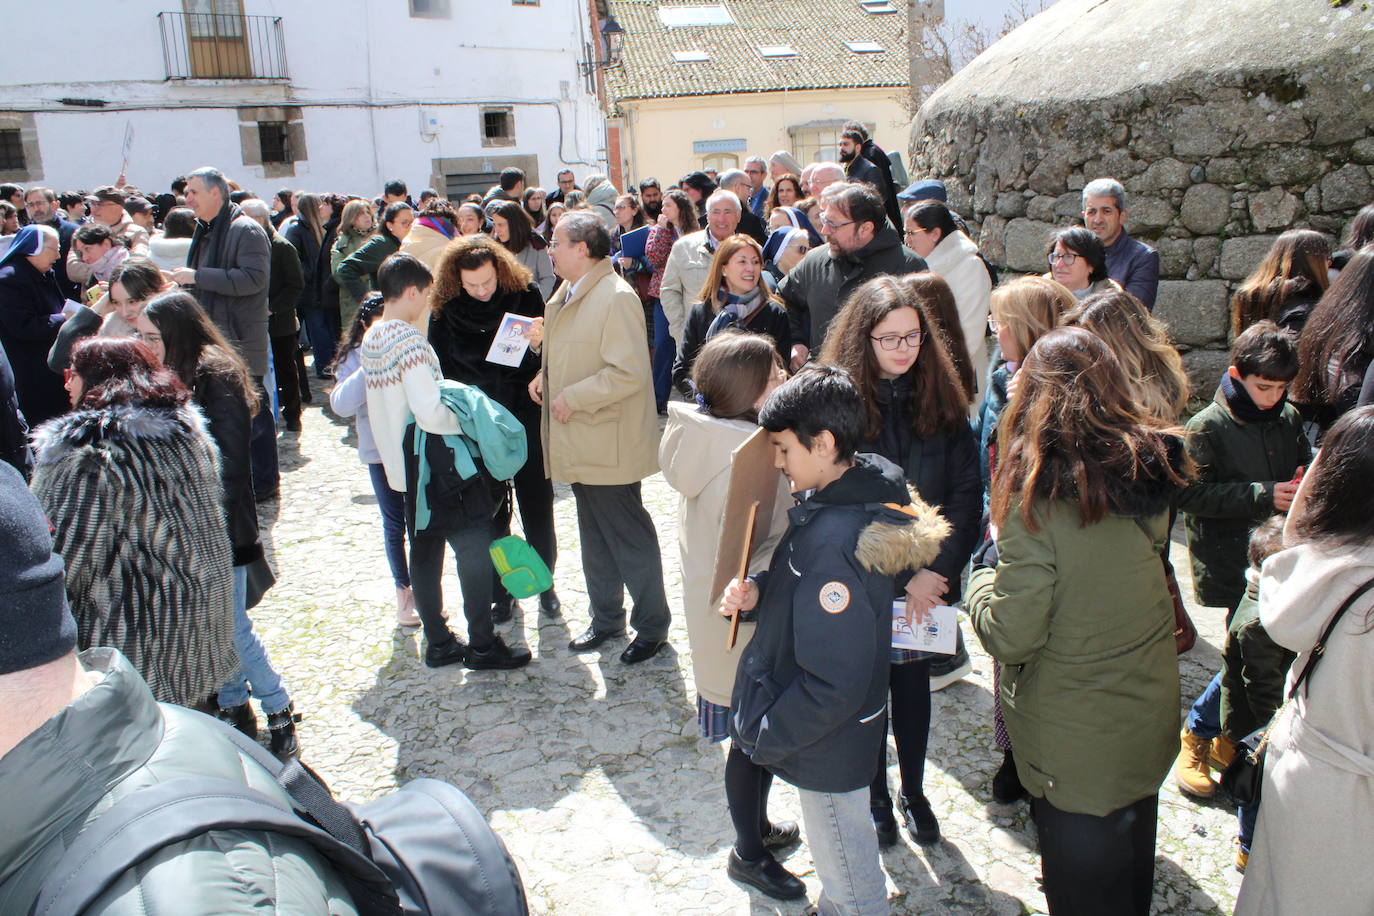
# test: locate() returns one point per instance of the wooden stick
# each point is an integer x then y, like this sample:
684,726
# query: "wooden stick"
743,571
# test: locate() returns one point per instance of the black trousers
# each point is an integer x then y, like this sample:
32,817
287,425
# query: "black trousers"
535,493
285,351
620,550
909,684
1095,866
474,578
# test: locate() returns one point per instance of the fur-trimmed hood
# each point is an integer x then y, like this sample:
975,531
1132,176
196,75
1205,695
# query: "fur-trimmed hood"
904,538
113,426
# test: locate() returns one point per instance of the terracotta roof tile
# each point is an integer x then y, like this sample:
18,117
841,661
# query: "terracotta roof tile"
816,29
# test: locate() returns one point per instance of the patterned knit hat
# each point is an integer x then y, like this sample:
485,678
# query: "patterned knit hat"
36,627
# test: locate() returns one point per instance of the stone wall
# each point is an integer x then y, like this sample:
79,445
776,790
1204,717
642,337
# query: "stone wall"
1225,129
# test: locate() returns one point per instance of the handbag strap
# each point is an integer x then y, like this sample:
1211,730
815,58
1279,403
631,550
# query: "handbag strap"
1320,648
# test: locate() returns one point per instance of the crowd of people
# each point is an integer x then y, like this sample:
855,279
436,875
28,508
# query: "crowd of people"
944,437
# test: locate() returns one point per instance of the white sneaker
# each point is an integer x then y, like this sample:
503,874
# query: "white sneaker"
406,614
942,681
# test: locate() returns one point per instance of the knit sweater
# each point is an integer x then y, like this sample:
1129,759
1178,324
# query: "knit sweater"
402,375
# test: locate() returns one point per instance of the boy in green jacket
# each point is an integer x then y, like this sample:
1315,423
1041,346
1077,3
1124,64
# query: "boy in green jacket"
1249,447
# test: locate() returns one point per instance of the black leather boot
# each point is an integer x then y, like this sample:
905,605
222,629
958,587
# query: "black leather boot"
241,717
282,727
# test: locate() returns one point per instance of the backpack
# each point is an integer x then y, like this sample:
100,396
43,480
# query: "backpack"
423,850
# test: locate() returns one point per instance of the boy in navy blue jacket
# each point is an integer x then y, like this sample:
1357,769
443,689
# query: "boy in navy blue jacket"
811,691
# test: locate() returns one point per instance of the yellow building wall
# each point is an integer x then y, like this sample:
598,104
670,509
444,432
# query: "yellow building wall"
658,134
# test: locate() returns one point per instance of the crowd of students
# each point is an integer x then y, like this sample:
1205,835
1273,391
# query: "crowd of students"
1013,449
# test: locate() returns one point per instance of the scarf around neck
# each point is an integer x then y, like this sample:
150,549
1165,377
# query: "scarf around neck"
1240,403
734,309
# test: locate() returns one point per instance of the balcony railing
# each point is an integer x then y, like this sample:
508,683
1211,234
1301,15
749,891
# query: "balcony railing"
222,46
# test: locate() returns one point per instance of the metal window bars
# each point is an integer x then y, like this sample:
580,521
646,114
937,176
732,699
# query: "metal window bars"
222,46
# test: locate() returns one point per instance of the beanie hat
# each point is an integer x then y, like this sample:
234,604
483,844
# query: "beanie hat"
36,626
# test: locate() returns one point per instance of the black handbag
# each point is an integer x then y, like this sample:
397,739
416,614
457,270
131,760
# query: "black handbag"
1243,779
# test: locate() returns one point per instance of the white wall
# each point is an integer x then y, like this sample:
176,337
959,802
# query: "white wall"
361,72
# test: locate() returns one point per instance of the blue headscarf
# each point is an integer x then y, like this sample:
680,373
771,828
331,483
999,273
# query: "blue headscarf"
27,242
799,220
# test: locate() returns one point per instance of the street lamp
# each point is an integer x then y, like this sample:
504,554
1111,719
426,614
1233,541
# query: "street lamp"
612,44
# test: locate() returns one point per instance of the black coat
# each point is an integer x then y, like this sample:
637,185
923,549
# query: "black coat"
811,688
14,432
944,470
752,226
770,319
30,317
230,426
461,332
285,285
862,169
65,231
314,258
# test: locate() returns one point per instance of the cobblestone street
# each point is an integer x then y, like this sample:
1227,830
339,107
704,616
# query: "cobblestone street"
590,770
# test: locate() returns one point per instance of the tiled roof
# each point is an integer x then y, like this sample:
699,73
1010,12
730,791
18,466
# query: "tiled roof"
816,30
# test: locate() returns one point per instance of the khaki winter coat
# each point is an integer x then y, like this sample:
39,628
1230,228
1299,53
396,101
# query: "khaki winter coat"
1311,842
594,356
695,455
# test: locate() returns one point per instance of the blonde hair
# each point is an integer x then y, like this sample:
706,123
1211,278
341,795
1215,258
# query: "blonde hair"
1029,308
1141,343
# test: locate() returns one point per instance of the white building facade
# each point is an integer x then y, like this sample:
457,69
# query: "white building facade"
324,95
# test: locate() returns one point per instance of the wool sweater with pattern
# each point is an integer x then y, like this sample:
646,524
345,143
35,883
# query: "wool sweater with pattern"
402,374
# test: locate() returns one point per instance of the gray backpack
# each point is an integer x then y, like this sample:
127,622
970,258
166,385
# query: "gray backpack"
423,850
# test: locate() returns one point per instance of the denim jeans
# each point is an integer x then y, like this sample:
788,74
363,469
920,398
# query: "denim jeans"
665,354
1204,719
1247,815
323,331
256,674
844,848
393,508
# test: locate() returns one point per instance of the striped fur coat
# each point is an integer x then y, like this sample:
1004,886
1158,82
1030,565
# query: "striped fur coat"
134,497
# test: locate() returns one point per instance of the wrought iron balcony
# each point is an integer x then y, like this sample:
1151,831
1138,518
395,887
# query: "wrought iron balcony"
222,46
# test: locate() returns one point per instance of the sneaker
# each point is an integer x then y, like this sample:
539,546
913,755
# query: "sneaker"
1190,769
406,615
939,682
920,820
1223,752
453,652
496,657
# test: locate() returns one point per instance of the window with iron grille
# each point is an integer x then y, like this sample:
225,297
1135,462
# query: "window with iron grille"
274,142
498,127
11,151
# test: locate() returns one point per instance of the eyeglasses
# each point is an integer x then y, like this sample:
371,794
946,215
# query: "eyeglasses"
754,171
1064,257
893,341
910,233
832,224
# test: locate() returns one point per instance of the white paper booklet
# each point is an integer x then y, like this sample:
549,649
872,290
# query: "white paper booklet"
509,346
937,633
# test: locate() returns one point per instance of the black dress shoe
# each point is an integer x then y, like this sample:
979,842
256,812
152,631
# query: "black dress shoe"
503,609
496,657
885,825
282,729
549,605
592,638
766,875
641,650
452,652
781,835
1006,784
920,820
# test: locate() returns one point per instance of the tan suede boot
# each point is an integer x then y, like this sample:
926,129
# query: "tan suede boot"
1223,752
1190,769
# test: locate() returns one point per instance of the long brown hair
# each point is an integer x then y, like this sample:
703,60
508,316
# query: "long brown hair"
195,345
469,252
686,211
715,280
1031,307
1337,346
796,186
1296,263
308,212
939,402
931,289
1141,342
730,372
1072,430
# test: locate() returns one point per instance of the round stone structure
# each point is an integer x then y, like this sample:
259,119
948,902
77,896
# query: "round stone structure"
1227,122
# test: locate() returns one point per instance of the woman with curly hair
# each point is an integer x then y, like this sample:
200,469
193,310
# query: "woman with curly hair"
130,481
917,418
1075,609
479,281
787,190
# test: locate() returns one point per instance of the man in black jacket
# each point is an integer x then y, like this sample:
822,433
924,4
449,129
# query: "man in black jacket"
41,205
859,168
861,246
737,183
285,283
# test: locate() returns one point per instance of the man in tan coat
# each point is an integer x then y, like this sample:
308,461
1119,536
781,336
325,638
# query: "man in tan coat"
601,434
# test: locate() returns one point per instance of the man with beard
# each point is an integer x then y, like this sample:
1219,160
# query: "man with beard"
650,199
859,168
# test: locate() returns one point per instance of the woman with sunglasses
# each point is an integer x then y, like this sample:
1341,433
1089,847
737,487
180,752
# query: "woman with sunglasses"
917,418
1078,260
